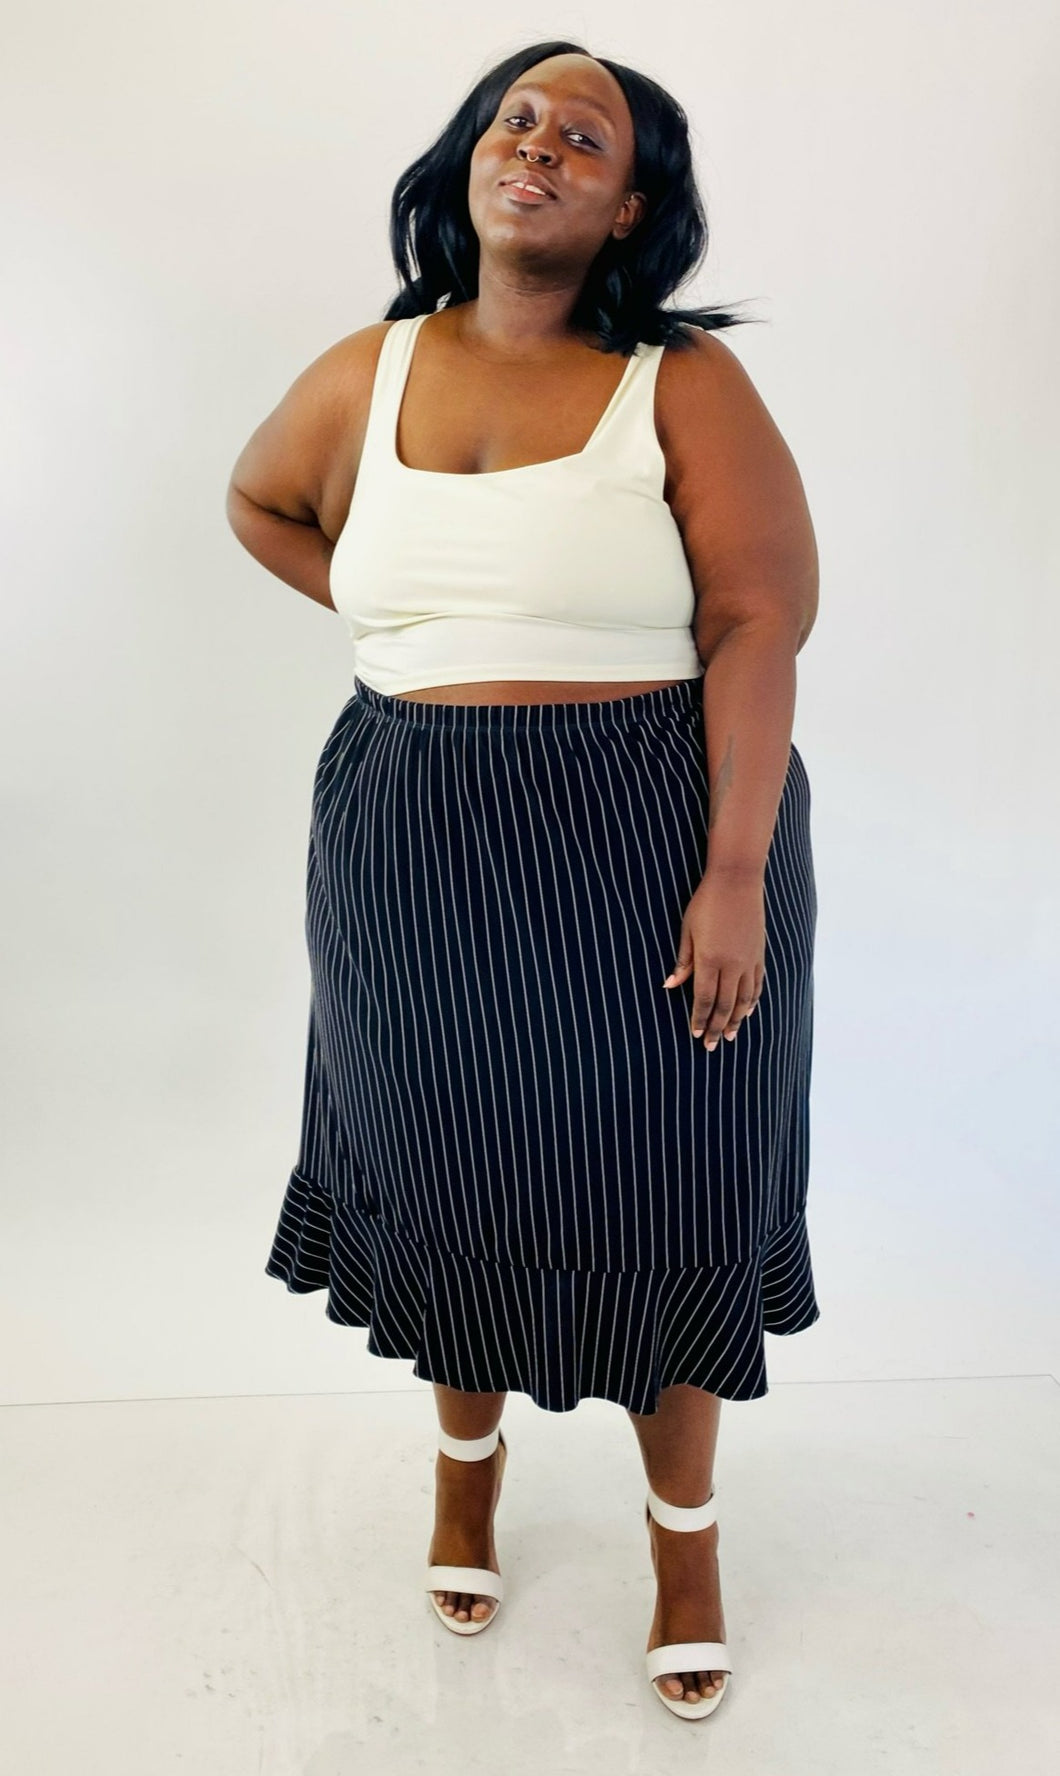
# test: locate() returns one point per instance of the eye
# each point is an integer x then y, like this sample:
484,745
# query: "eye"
521,117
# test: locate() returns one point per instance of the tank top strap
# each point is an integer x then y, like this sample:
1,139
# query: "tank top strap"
391,371
626,442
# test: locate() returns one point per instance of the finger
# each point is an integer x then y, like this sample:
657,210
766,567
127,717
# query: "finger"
745,1003
685,960
747,999
680,972
718,1019
708,980
718,1023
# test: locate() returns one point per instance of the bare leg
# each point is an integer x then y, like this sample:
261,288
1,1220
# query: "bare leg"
677,1443
465,1496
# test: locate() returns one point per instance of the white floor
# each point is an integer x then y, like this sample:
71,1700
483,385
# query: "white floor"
233,1585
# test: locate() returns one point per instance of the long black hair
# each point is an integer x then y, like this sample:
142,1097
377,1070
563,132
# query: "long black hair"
436,250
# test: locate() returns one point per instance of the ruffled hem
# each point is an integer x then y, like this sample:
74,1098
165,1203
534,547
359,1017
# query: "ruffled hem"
558,1336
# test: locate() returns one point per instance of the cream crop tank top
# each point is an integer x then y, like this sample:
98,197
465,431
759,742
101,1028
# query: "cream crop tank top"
568,569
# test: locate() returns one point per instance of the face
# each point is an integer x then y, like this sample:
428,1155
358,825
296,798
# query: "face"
572,113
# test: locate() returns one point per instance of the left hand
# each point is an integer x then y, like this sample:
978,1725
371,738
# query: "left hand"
723,945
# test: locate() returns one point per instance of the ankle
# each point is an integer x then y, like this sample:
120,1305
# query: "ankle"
467,1473
684,1547
470,1447
460,1487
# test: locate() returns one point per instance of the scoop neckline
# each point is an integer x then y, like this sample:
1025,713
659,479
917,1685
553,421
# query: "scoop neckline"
549,462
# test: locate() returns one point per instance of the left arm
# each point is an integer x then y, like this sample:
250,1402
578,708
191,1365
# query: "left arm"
737,497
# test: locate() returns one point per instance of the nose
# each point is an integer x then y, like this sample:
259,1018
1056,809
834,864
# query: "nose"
534,151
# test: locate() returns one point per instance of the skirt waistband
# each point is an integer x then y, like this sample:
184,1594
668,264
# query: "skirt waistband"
604,712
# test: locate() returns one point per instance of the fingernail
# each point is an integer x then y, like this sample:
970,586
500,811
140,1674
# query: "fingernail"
669,981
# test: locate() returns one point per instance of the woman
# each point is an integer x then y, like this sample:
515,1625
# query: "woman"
577,572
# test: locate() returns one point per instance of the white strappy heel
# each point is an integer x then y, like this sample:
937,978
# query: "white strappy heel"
471,1579
687,1655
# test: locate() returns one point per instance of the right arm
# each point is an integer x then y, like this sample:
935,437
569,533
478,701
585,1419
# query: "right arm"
290,490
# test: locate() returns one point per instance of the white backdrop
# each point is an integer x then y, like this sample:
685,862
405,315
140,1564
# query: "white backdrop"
195,205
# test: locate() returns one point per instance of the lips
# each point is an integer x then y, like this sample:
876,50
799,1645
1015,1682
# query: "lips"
534,180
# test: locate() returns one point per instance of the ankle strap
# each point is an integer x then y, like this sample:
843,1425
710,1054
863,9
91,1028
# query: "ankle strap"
468,1449
683,1516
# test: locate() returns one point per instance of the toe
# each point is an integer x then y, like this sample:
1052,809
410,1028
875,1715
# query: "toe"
465,1605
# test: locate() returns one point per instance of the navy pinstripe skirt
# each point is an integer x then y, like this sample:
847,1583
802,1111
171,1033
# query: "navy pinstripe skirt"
517,1167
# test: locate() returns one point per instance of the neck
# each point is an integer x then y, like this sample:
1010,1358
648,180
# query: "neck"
514,316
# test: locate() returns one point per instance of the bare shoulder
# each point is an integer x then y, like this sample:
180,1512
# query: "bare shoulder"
735,492
301,460
704,390
717,434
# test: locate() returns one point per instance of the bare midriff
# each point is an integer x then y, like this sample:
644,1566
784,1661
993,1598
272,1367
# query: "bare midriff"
535,690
